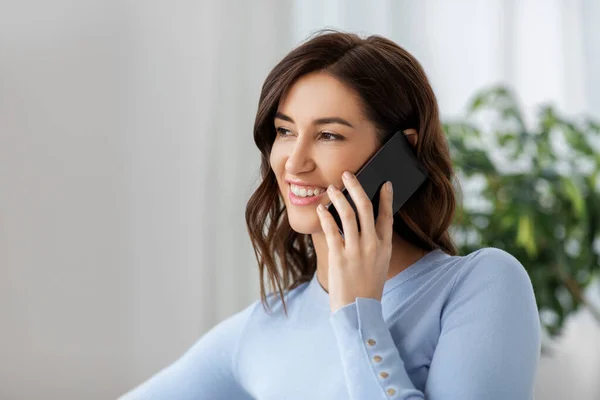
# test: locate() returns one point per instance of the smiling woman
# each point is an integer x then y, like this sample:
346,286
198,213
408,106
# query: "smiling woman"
332,102
390,312
310,151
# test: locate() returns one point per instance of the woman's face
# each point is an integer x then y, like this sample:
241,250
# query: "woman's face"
321,132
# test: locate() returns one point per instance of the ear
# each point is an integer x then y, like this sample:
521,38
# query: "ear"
412,136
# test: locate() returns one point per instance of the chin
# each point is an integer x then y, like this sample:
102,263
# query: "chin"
304,224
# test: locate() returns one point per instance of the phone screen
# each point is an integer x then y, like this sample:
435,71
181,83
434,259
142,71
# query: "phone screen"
395,161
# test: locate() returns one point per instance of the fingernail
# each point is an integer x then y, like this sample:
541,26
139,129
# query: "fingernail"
348,175
320,208
388,186
331,188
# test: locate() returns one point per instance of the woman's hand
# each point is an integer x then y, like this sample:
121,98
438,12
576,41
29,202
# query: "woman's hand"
358,264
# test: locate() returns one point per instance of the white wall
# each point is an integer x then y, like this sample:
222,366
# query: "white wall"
65,284
126,160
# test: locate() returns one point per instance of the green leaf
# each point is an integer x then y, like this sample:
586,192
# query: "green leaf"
506,138
525,234
574,194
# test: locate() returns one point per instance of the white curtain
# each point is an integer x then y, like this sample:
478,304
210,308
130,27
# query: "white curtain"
547,49
127,158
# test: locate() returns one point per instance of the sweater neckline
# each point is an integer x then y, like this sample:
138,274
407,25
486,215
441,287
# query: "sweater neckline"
317,291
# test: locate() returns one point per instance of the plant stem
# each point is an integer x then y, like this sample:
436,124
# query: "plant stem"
576,291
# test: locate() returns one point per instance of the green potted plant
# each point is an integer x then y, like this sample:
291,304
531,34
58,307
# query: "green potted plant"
535,201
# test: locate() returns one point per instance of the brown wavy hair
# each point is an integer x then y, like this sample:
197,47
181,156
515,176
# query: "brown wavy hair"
396,95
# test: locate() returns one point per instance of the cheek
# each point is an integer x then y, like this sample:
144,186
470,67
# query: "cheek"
275,159
334,162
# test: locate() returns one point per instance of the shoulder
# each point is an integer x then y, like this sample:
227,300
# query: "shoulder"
257,309
488,266
491,280
228,332
492,288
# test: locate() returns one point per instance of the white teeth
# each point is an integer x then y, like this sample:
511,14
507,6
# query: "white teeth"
301,191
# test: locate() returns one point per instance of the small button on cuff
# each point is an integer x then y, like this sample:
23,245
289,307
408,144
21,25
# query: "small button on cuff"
371,342
377,359
384,374
391,392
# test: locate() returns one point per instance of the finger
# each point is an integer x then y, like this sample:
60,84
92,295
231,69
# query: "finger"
385,217
347,215
363,205
332,236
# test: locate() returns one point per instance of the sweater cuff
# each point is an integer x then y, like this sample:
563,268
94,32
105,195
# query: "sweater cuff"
364,313
371,360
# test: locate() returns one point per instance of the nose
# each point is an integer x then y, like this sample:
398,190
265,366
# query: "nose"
300,158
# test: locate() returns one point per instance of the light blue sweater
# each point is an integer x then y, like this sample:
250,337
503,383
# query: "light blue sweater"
447,328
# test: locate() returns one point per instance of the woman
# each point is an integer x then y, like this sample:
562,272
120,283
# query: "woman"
391,312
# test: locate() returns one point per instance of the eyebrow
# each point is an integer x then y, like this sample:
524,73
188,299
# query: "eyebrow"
318,121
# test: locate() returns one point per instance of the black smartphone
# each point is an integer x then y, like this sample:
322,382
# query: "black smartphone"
395,161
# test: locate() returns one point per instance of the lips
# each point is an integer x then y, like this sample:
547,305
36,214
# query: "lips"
302,193
304,201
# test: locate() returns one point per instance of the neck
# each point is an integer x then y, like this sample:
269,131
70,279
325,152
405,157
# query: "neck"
404,254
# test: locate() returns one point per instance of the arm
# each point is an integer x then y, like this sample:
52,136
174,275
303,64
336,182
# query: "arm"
488,348
490,342
205,371
363,336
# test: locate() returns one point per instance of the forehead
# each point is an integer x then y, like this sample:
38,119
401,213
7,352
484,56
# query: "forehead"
320,94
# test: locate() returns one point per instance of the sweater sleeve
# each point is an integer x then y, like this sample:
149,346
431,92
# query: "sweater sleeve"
204,371
372,365
488,348
490,342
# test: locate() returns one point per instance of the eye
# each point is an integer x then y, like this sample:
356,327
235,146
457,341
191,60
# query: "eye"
328,136
282,131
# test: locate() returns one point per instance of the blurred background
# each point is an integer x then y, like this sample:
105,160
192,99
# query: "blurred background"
127,158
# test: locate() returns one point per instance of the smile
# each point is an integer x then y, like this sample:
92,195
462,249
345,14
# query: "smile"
305,195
